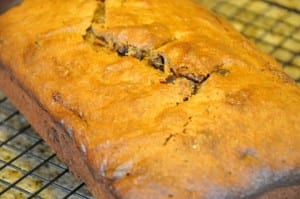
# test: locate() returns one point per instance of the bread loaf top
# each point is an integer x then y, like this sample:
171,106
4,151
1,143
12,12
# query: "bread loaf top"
163,98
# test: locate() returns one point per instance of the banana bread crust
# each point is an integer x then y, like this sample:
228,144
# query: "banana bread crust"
151,100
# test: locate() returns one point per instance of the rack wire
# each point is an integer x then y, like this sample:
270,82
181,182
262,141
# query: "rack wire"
273,26
29,168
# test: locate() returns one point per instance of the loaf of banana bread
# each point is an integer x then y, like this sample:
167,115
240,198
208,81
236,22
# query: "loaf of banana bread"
152,99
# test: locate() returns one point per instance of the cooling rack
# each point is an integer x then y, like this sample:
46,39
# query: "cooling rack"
28,167
273,25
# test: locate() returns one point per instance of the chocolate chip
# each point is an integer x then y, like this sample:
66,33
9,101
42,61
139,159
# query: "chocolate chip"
170,79
194,87
140,54
185,99
158,62
195,78
122,50
56,97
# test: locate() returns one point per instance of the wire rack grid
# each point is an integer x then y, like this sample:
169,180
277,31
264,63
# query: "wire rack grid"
28,167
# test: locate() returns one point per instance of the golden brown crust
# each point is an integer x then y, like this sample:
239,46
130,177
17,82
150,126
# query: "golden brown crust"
162,102
52,131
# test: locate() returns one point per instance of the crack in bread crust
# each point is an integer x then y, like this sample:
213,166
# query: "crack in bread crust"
127,89
148,53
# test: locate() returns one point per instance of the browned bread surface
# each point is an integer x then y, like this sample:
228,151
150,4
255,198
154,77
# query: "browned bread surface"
154,99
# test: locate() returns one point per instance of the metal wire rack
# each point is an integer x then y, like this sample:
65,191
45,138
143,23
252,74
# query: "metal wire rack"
28,167
273,26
